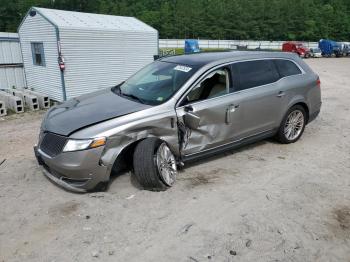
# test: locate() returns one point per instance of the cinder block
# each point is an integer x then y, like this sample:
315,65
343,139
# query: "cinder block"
30,101
12,102
3,111
44,101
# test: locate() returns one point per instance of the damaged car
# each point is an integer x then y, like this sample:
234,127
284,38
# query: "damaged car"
175,110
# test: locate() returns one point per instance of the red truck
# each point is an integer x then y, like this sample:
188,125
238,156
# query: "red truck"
296,47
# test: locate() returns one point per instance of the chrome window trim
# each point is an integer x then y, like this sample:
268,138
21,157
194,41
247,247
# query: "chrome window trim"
198,80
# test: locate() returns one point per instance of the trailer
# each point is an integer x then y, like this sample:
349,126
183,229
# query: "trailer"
329,48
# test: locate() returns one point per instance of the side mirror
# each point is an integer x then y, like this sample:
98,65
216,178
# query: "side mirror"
191,120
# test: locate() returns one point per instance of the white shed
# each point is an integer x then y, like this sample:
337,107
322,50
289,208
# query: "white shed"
98,51
11,65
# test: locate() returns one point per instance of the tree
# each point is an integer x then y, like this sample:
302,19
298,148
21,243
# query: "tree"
216,19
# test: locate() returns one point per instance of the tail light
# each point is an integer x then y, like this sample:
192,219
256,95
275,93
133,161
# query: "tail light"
318,82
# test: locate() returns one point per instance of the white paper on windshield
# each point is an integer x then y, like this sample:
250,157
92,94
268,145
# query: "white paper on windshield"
183,68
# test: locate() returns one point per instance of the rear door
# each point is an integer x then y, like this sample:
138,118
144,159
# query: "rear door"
260,95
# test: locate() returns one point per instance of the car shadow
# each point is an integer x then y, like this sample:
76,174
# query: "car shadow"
115,175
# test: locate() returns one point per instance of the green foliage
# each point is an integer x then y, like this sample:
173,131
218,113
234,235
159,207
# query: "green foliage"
213,19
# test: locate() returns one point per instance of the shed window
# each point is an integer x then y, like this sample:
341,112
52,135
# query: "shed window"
38,54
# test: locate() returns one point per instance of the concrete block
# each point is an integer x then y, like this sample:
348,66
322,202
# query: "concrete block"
44,101
12,102
3,111
30,101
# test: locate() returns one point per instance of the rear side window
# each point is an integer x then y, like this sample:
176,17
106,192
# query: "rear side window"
253,73
287,68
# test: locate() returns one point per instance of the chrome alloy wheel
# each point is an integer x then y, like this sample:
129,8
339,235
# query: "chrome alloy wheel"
294,125
166,164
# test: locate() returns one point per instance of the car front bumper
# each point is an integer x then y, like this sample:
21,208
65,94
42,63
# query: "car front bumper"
78,171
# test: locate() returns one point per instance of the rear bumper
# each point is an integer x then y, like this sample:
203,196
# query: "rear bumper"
78,171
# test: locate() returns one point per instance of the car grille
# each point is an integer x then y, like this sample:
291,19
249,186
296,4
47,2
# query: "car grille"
52,144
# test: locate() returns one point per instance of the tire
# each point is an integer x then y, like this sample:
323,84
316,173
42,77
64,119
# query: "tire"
296,125
154,165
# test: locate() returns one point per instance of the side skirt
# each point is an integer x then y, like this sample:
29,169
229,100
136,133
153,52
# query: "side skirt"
230,146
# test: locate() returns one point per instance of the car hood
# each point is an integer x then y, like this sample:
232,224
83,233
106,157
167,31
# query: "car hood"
87,110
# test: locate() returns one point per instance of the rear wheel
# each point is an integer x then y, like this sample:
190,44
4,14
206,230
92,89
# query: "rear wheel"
293,125
154,165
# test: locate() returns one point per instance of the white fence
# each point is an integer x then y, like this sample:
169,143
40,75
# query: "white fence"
230,44
11,64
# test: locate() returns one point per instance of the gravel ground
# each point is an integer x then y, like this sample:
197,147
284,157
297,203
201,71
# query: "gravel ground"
264,202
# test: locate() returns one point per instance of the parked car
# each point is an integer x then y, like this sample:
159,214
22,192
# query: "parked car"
296,47
175,110
329,48
348,48
344,48
315,52
191,46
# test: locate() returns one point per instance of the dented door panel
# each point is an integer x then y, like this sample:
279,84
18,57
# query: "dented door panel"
218,124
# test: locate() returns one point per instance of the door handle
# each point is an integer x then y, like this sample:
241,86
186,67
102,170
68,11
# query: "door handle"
231,109
281,94
188,108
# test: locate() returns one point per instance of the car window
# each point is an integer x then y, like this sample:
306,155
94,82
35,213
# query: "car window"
250,74
214,85
287,68
156,83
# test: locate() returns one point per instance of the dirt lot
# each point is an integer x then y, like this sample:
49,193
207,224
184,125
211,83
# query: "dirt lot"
265,202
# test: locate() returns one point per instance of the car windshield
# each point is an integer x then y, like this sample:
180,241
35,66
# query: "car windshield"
156,83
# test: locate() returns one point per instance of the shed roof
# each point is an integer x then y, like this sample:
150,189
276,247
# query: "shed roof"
8,36
89,21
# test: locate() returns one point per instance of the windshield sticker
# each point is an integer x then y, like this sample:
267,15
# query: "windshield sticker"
182,68
160,98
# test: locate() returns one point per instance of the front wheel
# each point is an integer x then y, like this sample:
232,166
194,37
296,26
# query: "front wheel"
292,126
154,165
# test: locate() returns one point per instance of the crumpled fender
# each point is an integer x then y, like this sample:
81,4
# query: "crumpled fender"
165,129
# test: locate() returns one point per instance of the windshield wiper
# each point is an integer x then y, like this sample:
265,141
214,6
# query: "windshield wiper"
116,89
132,97
119,92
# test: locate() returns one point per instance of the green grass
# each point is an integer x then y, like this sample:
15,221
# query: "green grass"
180,51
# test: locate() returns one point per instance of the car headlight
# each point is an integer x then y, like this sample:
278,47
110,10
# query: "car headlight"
81,144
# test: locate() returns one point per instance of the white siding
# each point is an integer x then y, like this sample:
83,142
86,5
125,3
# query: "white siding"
10,51
11,69
98,59
11,77
45,79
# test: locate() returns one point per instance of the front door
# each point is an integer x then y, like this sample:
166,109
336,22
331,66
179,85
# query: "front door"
207,115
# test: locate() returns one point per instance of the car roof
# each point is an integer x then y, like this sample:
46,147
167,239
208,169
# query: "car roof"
202,59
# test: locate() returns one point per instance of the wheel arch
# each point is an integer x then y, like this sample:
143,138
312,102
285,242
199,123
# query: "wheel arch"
122,159
306,108
297,100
